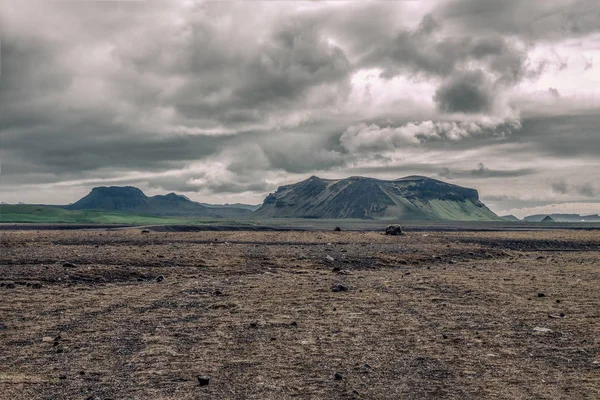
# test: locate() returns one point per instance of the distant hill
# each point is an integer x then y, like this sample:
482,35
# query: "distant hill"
251,207
510,218
547,218
410,198
132,199
563,218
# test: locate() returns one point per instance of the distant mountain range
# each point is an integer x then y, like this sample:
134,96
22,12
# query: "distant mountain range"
563,218
415,198
410,198
132,199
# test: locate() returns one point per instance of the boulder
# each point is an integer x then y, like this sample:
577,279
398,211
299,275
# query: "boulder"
395,230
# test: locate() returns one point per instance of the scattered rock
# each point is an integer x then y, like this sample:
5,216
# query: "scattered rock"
395,230
62,377
36,285
203,380
329,258
342,271
294,324
47,339
541,294
337,229
339,288
336,269
217,292
145,231
540,330
338,377
160,278
69,265
10,286
561,315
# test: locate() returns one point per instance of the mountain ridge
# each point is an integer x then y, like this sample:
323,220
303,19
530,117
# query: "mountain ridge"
410,198
132,199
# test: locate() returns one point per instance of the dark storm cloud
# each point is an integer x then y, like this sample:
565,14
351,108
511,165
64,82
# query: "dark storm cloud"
424,51
533,20
467,92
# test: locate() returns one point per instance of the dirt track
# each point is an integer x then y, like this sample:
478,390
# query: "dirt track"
427,315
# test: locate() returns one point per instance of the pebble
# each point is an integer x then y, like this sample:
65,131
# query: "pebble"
160,278
538,329
338,377
69,265
203,380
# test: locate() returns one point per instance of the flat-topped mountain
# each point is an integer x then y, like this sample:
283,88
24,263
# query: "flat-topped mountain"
409,198
132,199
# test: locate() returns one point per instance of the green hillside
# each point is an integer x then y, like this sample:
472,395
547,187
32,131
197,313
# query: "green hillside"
48,214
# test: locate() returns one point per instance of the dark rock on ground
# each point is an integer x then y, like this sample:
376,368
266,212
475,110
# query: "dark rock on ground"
337,229
203,380
145,231
160,278
394,230
541,295
69,265
339,288
338,377
10,286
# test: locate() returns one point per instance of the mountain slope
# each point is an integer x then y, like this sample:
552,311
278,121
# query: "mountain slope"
410,198
510,218
131,199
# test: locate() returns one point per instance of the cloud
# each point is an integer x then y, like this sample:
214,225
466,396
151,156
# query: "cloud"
363,137
482,172
560,187
587,190
468,92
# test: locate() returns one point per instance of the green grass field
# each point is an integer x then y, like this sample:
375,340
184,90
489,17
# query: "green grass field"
47,214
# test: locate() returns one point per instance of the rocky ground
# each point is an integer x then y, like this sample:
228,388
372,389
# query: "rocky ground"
311,315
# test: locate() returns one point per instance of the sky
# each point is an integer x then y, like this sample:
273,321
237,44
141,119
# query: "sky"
224,101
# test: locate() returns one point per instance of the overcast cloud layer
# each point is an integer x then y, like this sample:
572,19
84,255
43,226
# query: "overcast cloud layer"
226,101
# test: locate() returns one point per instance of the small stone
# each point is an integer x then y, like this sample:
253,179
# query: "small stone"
69,265
338,377
294,324
145,231
10,286
47,339
36,285
541,294
62,377
540,330
203,380
337,229
336,269
217,293
160,278
329,258
339,288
